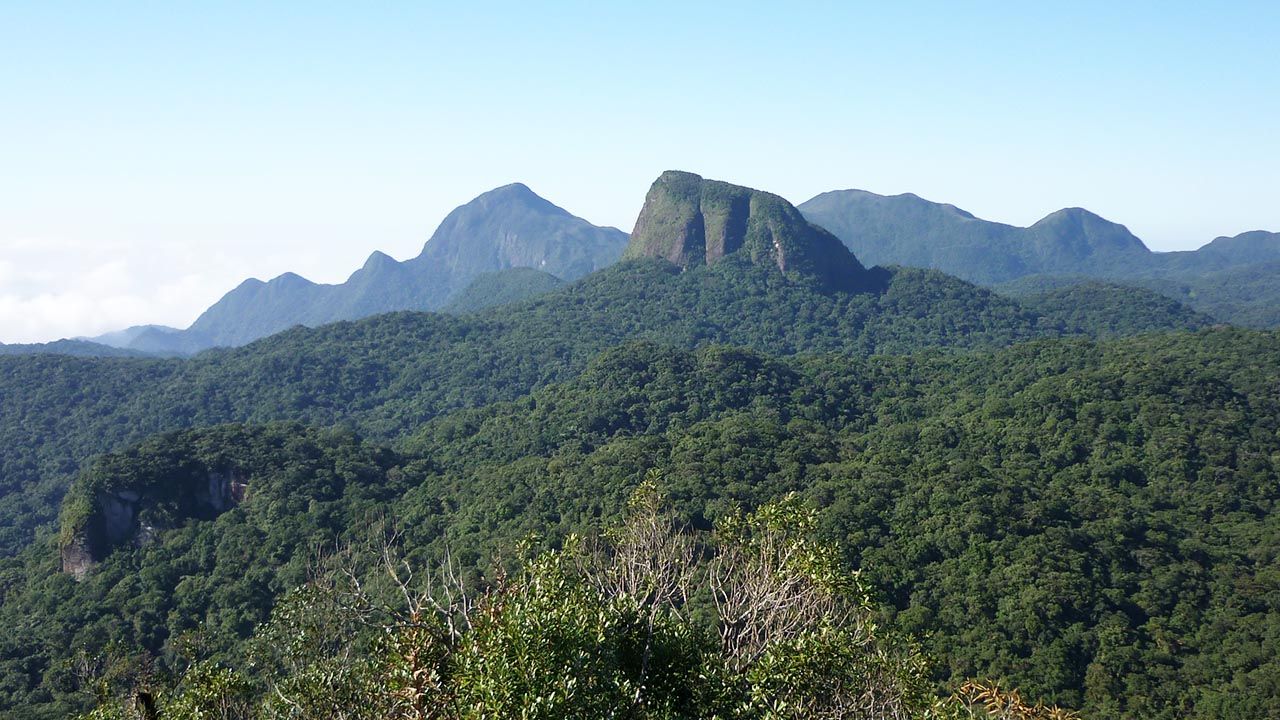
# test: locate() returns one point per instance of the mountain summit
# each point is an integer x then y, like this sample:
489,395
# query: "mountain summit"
508,227
909,230
691,221
1075,236
512,226
1234,279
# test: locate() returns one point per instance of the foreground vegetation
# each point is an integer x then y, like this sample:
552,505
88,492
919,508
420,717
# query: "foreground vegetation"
653,620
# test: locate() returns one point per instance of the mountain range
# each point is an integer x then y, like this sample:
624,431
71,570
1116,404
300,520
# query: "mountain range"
509,227
1233,279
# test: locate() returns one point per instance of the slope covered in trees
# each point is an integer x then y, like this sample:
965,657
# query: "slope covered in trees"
388,374
1092,523
1107,311
909,230
503,288
1234,279
649,619
1248,295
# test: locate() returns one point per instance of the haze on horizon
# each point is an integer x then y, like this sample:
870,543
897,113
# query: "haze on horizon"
156,156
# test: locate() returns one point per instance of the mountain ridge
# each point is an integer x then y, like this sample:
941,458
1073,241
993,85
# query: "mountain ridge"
1070,242
507,227
903,229
632,333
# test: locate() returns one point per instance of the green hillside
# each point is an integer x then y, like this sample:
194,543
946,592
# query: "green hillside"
389,373
503,288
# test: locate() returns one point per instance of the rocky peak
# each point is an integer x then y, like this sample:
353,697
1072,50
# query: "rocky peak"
691,221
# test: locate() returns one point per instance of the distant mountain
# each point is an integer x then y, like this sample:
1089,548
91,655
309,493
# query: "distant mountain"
1243,294
125,338
1247,247
690,221
908,230
75,348
255,309
513,227
504,228
1079,238
130,342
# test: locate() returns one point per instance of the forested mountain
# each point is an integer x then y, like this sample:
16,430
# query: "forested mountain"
393,371
1091,522
503,288
1230,279
908,230
1254,246
504,228
1088,520
1106,311
1246,295
1070,243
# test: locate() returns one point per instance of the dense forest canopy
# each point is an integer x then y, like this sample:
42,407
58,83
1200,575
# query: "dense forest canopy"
1090,522
388,374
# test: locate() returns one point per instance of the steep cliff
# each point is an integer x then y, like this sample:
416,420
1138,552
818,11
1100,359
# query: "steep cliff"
690,221
106,518
133,498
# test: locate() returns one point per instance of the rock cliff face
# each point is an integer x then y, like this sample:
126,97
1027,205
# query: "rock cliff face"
691,221
77,558
116,518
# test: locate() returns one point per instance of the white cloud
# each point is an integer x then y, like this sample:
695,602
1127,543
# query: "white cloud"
50,289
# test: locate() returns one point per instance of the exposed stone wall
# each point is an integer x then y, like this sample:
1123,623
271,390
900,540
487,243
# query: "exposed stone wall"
691,221
116,520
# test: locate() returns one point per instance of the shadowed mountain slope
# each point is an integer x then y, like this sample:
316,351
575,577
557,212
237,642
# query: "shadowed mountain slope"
908,230
1070,243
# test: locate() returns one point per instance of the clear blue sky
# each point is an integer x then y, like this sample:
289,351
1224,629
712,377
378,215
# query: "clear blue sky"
155,154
